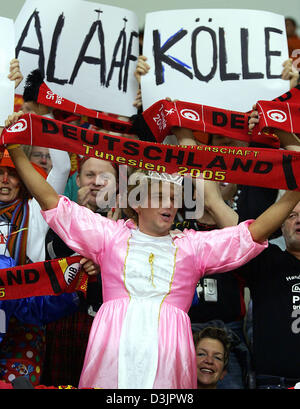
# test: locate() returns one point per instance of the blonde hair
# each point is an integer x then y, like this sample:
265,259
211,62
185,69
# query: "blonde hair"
129,211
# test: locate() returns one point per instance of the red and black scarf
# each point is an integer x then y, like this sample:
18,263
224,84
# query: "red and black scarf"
51,277
265,167
163,115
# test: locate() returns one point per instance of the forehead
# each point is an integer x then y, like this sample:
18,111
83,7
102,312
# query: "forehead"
210,344
39,149
8,169
97,166
296,208
289,22
159,186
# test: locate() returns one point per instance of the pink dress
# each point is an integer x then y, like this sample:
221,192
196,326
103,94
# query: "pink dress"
141,336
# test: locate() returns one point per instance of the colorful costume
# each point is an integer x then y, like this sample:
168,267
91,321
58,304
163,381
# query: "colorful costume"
141,336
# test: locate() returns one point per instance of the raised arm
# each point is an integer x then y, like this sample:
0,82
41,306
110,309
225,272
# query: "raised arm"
35,183
289,72
184,136
274,216
142,68
271,219
222,214
39,188
15,73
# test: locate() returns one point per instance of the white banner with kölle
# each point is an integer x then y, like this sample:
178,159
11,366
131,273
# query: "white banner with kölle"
225,58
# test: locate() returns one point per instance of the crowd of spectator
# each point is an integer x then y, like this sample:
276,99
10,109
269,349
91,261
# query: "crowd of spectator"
171,302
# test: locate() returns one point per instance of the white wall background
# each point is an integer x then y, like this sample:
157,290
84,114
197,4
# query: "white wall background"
287,8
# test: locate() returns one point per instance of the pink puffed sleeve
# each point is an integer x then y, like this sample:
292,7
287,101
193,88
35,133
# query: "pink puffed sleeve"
226,249
81,229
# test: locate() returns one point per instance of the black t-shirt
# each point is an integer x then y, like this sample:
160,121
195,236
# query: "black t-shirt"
273,278
252,201
218,297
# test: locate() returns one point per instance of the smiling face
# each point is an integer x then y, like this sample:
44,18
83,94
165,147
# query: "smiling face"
291,229
9,184
210,362
96,174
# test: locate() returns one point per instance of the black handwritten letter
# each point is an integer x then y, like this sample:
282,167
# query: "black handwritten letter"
212,72
120,63
97,25
52,56
224,75
39,51
247,75
269,53
160,57
129,57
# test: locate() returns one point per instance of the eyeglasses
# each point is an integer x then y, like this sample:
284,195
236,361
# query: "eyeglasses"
39,155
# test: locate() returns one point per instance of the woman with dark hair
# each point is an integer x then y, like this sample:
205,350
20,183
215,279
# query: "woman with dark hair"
212,353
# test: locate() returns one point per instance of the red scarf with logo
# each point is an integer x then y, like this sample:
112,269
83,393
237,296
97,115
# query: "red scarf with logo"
51,277
101,120
273,168
263,167
281,113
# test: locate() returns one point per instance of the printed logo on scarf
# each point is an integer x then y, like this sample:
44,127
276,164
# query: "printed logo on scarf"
19,126
160,119
277,115
190,114
71,272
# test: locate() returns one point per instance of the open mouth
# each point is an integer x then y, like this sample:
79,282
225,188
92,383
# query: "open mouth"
207,371
166,216
4,190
